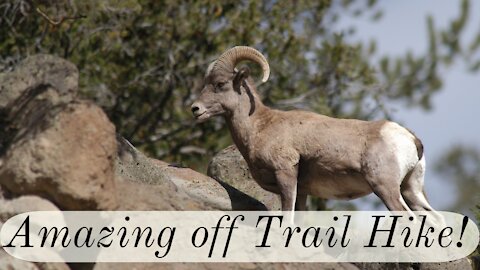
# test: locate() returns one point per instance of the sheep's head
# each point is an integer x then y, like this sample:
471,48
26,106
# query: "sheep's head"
224,84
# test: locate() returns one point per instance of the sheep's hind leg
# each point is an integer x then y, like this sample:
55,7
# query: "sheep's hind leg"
383,174
412,188
392,198
389,193
414,194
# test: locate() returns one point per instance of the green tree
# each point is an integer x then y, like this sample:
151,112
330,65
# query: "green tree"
461,165
144,60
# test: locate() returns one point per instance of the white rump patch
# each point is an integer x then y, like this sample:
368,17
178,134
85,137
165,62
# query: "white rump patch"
401,142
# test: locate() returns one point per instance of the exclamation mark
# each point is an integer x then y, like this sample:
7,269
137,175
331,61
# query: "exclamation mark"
464,224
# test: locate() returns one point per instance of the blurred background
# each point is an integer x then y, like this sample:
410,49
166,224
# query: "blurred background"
143,61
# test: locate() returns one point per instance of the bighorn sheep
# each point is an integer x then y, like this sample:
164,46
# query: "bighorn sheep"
300,153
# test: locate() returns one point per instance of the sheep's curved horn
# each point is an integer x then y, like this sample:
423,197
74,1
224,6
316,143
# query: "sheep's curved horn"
230,58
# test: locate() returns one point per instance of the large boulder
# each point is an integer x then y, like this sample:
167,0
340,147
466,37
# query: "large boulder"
52,145
228,166
66,157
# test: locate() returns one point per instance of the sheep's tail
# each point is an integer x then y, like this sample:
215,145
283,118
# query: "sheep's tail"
418,144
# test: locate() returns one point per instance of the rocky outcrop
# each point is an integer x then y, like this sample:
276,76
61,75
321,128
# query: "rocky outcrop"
66,151
185,184
228,166
61,153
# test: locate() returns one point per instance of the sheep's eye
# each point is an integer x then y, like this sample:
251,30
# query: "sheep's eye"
220,85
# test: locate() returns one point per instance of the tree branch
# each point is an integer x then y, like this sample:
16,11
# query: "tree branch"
62,19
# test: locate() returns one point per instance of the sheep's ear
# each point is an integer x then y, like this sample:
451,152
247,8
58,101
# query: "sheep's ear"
241,75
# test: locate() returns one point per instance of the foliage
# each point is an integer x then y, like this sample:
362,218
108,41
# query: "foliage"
461,165
144,60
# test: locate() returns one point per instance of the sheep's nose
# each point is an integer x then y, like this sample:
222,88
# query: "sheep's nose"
195,108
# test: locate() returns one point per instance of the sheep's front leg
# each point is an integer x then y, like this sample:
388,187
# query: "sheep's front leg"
287,182
301,201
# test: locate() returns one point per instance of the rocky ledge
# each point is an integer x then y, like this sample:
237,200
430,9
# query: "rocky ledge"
58,152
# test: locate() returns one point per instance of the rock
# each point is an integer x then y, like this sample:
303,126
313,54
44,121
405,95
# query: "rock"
52,266
2,192
53,146
475,261
64,150
226,266
154,198
60,153
32,75
133,165
8,262
37,85
462,264
189,185
228,166
67,158
384,266
309,266
13,207
219,195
